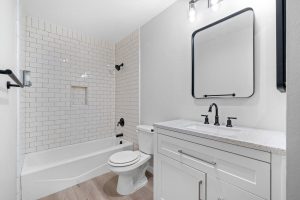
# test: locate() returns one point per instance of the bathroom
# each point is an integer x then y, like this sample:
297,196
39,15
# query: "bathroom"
149,100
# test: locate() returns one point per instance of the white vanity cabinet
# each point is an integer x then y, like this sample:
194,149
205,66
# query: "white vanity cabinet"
188,167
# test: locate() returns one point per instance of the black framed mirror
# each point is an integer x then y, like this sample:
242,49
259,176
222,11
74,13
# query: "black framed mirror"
223,57
281,44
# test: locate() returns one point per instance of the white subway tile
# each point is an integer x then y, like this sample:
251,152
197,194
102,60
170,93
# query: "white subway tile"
127,86
57,57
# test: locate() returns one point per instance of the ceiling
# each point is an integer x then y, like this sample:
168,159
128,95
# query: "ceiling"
105,19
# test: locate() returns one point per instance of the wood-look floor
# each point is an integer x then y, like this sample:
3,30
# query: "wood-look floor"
102,188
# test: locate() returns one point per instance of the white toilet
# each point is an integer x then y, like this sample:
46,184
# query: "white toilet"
132,165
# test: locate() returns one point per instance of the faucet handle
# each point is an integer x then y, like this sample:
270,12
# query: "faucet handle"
229,123
206,121
121,122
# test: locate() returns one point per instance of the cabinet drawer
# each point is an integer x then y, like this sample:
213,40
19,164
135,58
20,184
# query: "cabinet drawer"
245,173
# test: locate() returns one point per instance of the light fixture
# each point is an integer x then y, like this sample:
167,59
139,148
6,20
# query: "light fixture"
214,4
192,10
26,78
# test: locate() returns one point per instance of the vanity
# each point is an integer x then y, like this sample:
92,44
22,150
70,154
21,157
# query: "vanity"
196,161
202,161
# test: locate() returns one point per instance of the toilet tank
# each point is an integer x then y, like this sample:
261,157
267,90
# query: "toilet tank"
145,138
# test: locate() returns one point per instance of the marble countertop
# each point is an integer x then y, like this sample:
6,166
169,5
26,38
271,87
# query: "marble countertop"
264,140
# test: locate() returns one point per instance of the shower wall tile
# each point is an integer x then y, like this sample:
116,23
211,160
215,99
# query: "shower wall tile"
127,85
57,58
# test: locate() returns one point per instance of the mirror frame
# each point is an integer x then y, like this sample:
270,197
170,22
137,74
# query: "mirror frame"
281,45
227,96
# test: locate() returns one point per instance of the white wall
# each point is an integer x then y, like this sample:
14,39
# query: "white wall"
8,101
166,68
293,100
127,85
61,107
104,19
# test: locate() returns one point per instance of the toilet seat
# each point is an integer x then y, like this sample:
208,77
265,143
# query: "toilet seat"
124,158
144,158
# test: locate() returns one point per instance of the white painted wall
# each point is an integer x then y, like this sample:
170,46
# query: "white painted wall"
8,101
293,102
103,19
166,68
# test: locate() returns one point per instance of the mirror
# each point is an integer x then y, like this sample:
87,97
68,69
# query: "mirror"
223,57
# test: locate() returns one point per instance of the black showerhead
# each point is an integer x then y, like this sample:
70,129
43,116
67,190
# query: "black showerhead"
118,67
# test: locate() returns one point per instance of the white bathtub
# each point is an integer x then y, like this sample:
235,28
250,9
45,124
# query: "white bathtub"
53,170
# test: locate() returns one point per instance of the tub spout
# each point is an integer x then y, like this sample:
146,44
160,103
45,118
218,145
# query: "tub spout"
119,135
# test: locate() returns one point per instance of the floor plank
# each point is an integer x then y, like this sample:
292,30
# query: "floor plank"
102,188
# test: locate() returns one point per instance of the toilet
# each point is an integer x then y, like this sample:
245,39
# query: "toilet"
131,166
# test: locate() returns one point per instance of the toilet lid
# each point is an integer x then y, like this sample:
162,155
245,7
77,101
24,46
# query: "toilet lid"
125,157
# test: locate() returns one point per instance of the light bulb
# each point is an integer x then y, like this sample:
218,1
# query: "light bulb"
192,12
215,7
214,2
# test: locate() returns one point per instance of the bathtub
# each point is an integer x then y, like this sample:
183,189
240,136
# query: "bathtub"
50,171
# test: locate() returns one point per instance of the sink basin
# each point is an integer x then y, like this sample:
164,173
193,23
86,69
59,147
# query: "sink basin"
216,130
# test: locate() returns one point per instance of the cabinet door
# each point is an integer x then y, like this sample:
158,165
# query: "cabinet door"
220,190
177,181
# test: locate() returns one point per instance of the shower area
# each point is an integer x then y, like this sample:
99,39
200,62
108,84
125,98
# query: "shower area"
68,117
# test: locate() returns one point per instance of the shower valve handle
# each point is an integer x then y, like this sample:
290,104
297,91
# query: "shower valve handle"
121,122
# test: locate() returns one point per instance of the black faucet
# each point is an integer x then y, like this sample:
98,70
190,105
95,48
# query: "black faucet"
217,113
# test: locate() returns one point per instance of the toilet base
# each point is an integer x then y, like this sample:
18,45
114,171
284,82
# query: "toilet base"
131,181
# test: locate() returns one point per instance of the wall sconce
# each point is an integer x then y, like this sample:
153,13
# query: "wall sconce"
213,4
192,10
26,78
